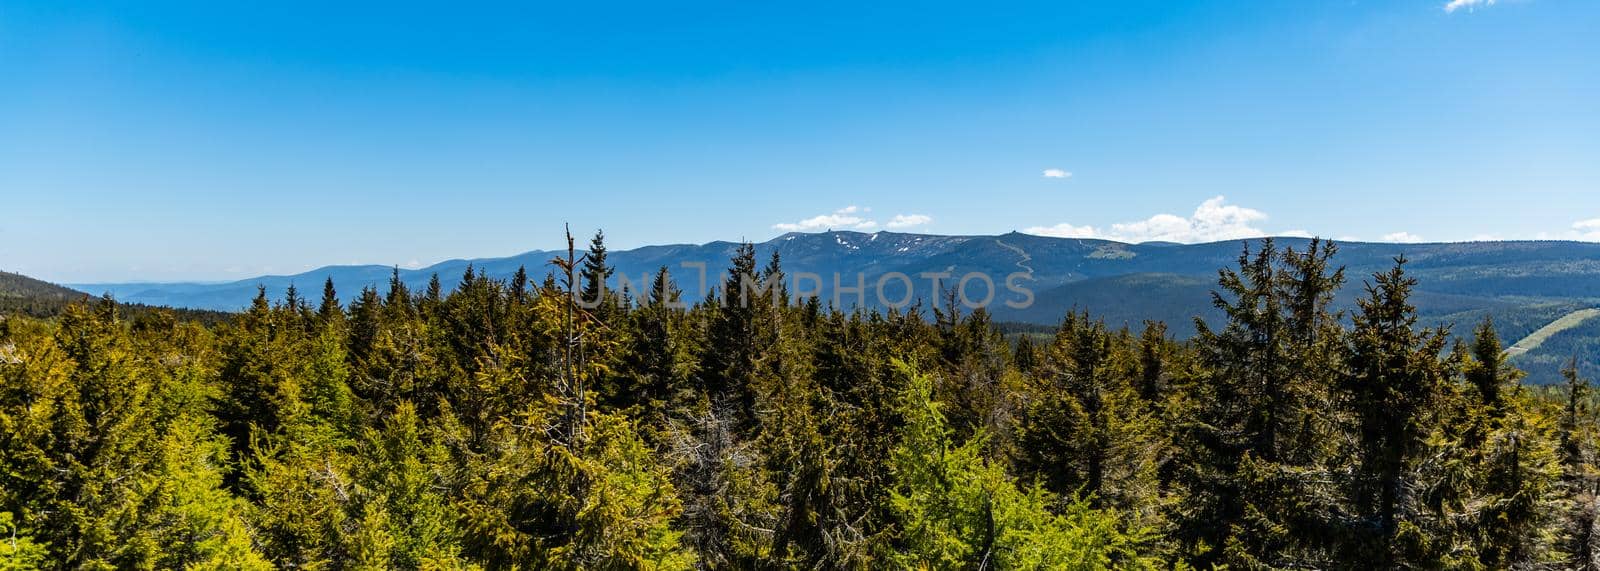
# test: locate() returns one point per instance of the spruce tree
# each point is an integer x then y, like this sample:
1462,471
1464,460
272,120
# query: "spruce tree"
1085,429
1489,373
1580,478
1024,357
1154,352
730,359
659,356
1395,375
329,311
1251,448
519,285
597,272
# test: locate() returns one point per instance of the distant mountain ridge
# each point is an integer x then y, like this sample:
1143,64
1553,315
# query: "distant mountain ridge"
1546,269
1523,285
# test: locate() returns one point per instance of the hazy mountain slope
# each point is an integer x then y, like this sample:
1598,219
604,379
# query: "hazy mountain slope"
18,285
23,295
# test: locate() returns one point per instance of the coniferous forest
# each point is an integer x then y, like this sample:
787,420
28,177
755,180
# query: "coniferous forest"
516,425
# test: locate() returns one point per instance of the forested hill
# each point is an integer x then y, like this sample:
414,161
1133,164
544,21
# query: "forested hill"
18,285
29,296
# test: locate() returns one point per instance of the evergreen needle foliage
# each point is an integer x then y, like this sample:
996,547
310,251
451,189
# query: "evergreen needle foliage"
564,424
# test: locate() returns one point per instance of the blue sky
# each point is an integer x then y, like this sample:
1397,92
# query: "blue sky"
211,141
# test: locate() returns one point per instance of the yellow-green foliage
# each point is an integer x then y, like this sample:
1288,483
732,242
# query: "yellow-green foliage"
959,510
18,551
502,425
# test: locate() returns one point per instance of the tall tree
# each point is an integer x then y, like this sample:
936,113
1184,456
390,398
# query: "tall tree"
1580,477
660,355
329,311
597,273
1395,374
1251,445
729,361
1086,430
1489,372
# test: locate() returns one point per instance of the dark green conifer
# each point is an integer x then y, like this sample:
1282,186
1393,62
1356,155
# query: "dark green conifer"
1489,372
330,311
597,271
1580,480
1395,375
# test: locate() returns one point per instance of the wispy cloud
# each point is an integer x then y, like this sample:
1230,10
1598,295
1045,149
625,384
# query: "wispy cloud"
908,221
1401,238
1469,5
1587,230
1057,173
1212,221
847,217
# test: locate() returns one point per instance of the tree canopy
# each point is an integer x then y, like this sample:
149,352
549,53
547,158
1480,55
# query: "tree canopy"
565,424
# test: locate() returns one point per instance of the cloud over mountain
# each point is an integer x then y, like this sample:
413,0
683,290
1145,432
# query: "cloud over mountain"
848,217
901,221
1587,230
1212,221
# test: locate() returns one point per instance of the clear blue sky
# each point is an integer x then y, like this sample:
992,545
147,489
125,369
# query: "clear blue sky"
206,140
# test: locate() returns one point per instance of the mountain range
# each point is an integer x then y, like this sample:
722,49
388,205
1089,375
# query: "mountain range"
1523,285
1098,275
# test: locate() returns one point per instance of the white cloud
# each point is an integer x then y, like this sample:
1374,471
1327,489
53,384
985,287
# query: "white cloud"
1056,173
412,265
1470,5
1063,230
1400,238
1212,221
1587,230
847,217
908,220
